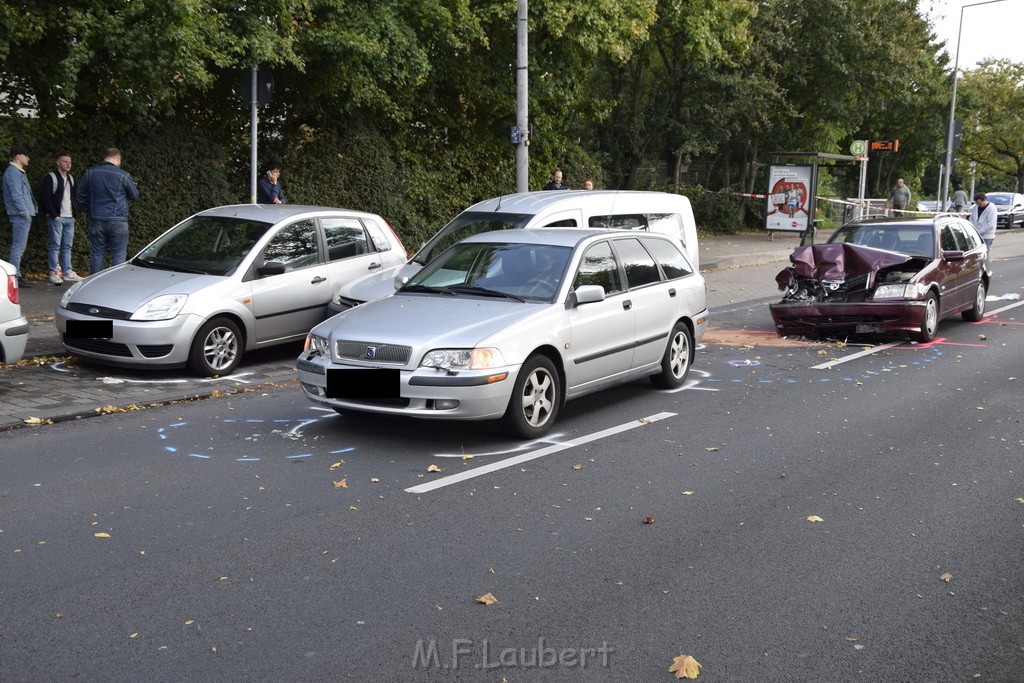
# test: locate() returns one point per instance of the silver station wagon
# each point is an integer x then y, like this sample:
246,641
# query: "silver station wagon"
224,281
509,325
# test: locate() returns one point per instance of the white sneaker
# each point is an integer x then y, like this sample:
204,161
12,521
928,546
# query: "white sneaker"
55,277
71,276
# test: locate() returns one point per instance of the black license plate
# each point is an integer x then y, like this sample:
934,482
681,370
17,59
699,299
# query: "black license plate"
90,329
368,383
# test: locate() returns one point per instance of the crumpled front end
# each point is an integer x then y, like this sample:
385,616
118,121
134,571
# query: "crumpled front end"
830,289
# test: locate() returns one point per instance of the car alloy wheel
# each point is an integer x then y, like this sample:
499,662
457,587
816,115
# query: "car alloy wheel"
535,401
216,349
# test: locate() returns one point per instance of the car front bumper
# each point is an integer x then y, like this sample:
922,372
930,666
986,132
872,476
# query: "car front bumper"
423,392
798,317
152,344
14,337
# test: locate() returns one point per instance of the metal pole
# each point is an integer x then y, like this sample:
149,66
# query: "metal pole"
952,103
862,187
252,127
522,102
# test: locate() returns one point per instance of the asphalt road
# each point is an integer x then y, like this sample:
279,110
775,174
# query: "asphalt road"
253,536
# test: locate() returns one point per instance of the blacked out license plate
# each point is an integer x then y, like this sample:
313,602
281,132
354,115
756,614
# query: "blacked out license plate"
369,383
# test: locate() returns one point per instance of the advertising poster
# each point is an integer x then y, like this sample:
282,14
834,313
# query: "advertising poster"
789,198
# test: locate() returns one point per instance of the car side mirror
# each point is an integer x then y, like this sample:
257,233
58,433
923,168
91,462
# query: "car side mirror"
953,255
588,294
271,268
400,281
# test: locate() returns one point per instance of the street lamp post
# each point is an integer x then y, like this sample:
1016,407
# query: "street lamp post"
952,103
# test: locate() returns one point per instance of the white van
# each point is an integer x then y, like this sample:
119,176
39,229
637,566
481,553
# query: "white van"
669,214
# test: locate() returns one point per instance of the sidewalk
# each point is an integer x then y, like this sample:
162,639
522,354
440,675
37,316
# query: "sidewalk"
50,386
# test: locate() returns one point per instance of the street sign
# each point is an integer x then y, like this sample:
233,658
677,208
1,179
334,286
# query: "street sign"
264,86
859,148
885,145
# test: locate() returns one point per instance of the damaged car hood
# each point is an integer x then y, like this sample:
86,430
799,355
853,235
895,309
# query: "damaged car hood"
837,269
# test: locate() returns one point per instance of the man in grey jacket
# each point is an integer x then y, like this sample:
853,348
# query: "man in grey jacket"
899,198
20,206
103,193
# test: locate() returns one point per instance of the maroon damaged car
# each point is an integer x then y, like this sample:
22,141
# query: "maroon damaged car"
884,275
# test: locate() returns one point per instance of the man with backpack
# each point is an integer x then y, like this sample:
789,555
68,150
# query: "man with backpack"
57,199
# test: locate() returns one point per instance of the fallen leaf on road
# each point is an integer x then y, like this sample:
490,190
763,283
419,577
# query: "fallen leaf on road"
648,520
1020,500
486,599
685,666
433,468
712,449
337,465
134,635
577,466
102,534
374,480
815,518
108,409
343,484
687,493
36,421
947,577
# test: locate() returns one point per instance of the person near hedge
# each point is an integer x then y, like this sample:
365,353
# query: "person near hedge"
103,193
269,190
57,200
20,206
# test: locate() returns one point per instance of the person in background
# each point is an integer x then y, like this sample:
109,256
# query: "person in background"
103,193
268,189
959,200
588,184
57,199
899,198
556,181
983,218
20,206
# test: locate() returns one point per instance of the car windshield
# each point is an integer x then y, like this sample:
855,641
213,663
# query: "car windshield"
1000,199
910,239
467,224
213,245
525,272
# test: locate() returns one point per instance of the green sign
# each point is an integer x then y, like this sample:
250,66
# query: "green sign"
859,148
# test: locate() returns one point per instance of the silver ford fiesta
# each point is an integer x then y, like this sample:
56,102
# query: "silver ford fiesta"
224,281
509,325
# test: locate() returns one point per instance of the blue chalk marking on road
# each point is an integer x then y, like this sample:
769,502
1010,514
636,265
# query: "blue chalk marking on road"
170,449
179,424
246,459
254,420
159,430
305,455
282,420
343,450
231,420
163,436
197,455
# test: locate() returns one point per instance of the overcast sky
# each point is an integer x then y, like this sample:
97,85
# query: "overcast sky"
994,30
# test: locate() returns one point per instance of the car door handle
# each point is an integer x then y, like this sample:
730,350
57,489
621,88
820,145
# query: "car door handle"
317,280
627,304
672,292
373,266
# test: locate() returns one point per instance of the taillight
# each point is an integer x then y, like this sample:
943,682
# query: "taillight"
12,288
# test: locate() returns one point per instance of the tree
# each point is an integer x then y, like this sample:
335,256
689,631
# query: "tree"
992,109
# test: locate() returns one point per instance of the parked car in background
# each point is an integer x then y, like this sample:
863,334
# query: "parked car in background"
13,325
508,325
660,212
1010,208
224,281
888,275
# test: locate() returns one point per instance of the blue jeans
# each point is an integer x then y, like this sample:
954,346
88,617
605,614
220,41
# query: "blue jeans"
107,236
19,238
62,234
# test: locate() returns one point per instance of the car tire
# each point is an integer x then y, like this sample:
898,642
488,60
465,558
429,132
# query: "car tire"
216,349
930,324
675,364
977,311
535,401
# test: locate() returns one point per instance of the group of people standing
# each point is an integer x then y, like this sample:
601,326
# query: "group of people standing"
102,193
557,184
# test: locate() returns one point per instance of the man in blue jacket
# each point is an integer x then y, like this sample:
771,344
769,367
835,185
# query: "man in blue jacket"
20,206
103,193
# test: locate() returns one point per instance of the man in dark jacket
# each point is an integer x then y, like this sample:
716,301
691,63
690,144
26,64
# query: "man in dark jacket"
104,193
57,200
556,181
